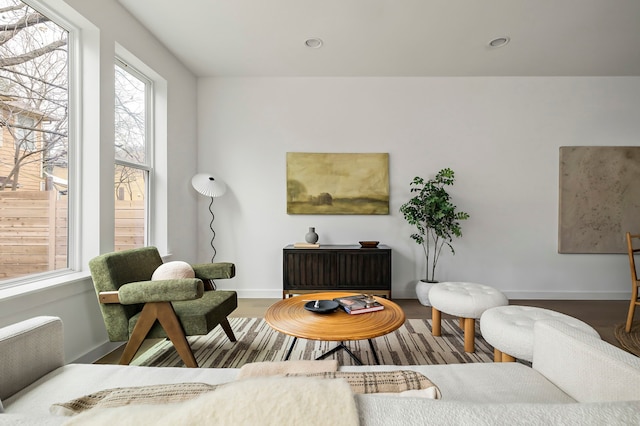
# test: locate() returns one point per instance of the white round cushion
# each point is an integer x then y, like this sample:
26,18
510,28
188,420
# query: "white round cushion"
510,328
466,300
173,270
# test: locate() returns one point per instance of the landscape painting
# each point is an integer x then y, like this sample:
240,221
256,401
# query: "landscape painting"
326,183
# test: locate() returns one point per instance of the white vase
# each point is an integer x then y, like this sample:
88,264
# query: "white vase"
422,291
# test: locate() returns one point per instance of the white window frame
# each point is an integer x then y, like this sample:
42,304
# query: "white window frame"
150,124
74,91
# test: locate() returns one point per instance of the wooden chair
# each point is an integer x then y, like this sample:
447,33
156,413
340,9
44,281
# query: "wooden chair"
634,277
135,308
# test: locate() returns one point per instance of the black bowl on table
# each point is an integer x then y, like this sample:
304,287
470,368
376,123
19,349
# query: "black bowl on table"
323,306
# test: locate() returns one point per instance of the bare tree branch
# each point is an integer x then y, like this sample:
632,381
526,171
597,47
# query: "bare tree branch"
27,21
20,59
13,8
31,77
9,31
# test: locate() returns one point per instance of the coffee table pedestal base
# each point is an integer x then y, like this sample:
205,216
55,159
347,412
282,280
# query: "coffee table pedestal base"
341,345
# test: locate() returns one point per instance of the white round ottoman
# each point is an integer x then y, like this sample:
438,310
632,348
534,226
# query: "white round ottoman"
465,300
509,329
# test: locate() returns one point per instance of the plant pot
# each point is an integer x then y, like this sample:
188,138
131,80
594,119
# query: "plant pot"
422,291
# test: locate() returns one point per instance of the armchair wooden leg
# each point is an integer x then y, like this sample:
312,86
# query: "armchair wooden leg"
166,316
227,329
169,321
145,322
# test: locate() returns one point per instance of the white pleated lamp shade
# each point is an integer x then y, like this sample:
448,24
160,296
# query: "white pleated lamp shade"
208,185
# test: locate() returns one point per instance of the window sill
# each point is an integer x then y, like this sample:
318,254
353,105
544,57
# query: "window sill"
43,285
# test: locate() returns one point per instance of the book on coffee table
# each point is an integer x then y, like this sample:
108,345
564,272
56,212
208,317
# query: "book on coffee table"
358,304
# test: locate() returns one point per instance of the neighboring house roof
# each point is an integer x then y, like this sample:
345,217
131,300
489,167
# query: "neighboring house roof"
22,108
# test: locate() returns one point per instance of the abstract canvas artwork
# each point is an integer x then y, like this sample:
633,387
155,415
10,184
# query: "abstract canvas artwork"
326,183
599,198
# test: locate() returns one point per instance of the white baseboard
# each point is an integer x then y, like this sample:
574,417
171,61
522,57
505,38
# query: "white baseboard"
258,294
97,353
567,295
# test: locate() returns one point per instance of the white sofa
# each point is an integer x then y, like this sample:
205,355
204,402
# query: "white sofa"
575,379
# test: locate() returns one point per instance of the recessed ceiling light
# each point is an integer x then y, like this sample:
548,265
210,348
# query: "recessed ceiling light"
314,43
499,42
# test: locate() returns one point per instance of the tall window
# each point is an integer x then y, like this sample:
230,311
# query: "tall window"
34,128
133,167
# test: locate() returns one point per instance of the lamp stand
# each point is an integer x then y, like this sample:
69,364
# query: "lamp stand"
209,284
212,231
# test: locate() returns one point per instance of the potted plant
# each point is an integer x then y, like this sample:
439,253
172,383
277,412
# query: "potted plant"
436,221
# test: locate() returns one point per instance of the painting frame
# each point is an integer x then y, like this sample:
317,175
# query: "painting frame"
337,183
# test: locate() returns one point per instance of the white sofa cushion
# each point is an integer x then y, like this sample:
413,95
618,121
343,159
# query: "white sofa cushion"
75,380
586,368
394,411
29,350
483,382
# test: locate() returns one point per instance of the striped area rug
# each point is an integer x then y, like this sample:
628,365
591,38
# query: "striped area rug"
411,344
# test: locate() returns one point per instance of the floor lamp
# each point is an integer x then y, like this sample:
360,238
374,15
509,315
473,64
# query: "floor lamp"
209,186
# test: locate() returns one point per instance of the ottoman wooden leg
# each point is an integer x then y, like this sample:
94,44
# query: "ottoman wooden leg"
469,334
435,321
507,358
497,355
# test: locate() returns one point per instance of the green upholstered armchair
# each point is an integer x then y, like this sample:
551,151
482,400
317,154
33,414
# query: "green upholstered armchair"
135,308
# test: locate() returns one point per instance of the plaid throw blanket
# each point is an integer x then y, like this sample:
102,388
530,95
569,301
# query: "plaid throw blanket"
380,381
360,382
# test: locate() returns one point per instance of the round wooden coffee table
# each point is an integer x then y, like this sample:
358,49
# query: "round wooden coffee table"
289,316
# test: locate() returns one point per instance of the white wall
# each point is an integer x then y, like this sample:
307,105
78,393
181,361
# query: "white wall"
107,25
500,135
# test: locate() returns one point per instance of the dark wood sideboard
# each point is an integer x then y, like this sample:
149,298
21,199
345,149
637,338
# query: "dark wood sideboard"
336,268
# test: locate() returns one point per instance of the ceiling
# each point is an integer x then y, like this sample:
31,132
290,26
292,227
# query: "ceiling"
398,37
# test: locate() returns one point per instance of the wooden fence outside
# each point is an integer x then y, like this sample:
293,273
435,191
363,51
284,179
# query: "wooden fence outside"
34,231
129,226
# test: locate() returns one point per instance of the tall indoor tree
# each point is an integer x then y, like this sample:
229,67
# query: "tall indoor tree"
434,217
